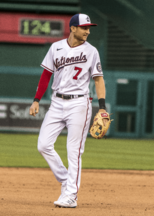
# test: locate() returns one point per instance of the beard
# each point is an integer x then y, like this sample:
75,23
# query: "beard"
79,38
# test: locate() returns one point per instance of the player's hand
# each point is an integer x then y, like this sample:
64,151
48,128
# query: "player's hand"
104,120
34,109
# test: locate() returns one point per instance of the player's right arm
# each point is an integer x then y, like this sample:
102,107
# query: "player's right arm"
48,65
34,109
42,87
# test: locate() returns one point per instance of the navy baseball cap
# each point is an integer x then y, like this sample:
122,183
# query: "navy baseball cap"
81,20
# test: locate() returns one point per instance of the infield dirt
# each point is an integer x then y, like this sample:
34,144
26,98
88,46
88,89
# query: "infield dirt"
31,192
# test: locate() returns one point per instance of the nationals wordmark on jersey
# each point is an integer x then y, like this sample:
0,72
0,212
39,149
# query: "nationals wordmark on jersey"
68,61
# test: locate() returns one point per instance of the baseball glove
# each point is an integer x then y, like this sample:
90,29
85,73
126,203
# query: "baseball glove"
98,129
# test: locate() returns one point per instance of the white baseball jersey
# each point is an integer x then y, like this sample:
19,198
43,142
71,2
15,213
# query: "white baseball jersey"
72,67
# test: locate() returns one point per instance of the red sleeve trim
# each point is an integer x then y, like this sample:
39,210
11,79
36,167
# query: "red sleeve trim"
43,84
47,68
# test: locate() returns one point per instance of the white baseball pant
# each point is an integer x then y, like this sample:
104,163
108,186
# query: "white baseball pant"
75,114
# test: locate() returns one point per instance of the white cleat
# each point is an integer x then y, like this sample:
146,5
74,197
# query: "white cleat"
66,202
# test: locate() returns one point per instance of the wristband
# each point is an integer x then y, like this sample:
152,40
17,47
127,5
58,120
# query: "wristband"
102,103
36,99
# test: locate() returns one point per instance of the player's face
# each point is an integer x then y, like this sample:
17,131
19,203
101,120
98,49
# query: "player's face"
82,33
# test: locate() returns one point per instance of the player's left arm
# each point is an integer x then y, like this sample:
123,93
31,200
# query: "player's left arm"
101,93
100,89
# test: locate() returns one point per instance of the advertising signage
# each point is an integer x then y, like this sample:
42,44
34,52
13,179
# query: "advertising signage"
14,116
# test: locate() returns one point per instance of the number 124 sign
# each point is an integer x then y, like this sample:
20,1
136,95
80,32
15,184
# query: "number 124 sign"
35,27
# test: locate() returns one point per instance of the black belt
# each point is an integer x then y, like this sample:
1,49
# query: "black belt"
68,96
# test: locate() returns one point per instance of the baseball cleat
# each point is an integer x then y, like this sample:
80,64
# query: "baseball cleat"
66,202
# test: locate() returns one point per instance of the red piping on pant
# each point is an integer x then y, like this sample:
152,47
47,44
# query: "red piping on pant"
81,144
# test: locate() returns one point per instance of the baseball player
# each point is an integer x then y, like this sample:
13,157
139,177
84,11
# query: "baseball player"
72,62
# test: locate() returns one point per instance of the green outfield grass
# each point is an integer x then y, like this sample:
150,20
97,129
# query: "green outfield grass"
20,150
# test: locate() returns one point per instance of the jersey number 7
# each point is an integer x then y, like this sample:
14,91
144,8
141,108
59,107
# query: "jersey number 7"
78,72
